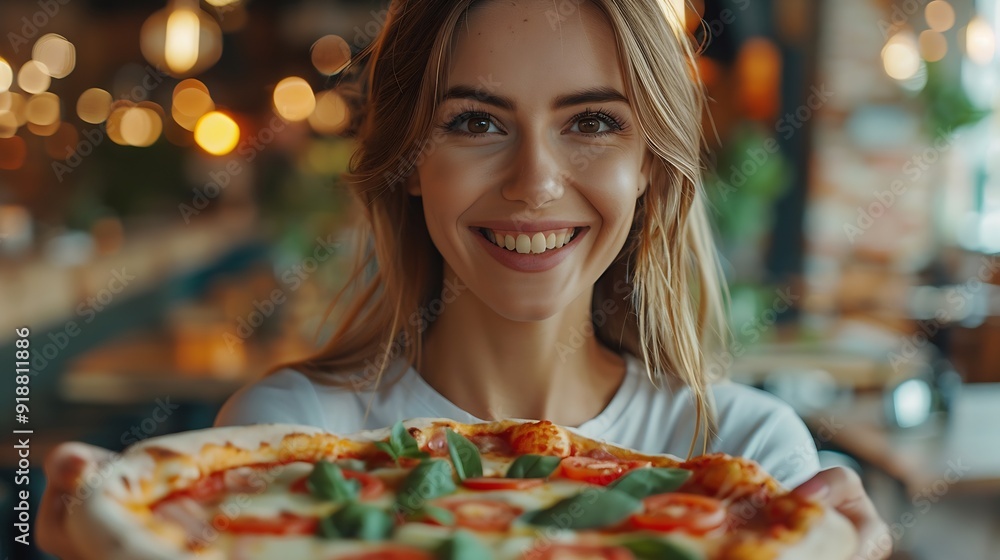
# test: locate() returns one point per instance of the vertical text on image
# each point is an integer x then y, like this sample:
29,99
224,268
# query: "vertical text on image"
22,445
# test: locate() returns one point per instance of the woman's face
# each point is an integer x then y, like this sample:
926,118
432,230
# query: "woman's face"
534,129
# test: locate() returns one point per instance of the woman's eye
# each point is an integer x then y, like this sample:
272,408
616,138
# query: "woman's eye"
477,125
591,125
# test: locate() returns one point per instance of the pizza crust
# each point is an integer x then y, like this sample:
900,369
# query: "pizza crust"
832,537
109,530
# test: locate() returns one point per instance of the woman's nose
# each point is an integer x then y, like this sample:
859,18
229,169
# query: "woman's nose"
537,175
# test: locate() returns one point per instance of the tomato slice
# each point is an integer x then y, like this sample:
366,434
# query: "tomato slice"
677,511
371,485
286,524
480,514
597,471
391,552
493,483
578,552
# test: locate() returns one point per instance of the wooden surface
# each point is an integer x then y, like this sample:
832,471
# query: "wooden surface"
960,455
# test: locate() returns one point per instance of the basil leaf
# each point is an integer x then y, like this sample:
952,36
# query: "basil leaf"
462,546
383,446
641,483
428,480
591,509
327,482
659,549
464,455
533,466
401,440
439,514
358,521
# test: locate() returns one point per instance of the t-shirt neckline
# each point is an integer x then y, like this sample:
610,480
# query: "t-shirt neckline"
437,405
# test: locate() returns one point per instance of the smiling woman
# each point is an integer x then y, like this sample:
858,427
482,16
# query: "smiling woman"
533,179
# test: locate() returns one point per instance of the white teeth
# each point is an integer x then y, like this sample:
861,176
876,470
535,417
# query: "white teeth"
533,244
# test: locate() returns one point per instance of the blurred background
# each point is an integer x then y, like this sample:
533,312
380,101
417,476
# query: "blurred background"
172,222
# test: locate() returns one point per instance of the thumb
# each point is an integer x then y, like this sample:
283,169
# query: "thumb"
67,463
841,489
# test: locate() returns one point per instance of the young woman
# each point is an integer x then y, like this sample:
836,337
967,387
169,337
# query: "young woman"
534,245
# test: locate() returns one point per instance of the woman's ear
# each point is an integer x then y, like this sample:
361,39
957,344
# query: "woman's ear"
645,176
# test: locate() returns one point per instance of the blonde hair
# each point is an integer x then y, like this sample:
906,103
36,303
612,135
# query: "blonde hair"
667,276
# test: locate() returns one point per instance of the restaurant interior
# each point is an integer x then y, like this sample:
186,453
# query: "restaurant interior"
174,222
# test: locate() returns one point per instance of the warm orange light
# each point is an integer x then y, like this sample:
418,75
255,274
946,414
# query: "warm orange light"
181,38
8,124
33,77
56,53
42,109
294,99
331,54
44,129
189,105
141,126
14,103
6,75
758,70
13,152
217,133
94,106
940,15
933,45
331,115
113,126
900,56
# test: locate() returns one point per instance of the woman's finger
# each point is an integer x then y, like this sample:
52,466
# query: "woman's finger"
841,488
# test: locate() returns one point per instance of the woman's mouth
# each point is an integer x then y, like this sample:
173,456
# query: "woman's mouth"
530,243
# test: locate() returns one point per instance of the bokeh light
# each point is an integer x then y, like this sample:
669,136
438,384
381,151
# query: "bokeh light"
217,133
6,75
331,115
14,103
940,15
980,42
182,40
42,109
191,100
33,77
56,53
331,54
933,45
294,99
900,56
141,126
94,106
113,127
13,152
8,124
44,129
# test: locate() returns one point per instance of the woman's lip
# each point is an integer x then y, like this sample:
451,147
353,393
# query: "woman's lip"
529,262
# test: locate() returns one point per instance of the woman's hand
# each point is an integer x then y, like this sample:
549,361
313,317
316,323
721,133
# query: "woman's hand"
64,466
841,489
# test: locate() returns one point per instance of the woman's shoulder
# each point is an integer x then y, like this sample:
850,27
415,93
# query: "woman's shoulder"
286,396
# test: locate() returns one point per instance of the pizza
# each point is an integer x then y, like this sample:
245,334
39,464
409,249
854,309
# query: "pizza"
434,489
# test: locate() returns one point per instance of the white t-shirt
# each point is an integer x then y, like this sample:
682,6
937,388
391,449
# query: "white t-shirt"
752,423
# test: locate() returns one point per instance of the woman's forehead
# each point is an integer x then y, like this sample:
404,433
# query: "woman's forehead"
527,48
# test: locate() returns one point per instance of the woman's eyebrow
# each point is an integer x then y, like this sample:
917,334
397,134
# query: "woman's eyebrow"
599,94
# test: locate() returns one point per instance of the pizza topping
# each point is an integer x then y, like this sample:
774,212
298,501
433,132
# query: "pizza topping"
371,486
660,549
533,466
464,456
327,482
285,524
549,551
641,483
401,444
492,483
391,553
461,546
677,511
357,521
491,444
598,471
592,509
428,480
481,514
